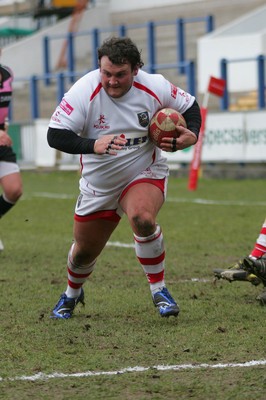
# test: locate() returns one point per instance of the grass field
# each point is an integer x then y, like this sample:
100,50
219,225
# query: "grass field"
117,346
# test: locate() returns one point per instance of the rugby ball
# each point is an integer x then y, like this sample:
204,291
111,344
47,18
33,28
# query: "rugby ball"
163,123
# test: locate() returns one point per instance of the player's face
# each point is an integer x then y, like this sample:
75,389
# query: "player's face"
116,79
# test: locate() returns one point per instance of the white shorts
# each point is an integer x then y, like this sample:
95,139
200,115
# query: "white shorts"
90,206
8,168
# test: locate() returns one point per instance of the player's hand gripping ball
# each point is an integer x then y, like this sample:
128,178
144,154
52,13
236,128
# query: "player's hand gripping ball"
164,123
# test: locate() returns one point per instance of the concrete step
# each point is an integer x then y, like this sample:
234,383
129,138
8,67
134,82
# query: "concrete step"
223,12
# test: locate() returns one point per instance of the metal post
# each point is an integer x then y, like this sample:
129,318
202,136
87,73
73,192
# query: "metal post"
261,81
209,23
95,45
46,59
151,47
225,99
122,31
70,56
34,97
190,72
60,86
181,44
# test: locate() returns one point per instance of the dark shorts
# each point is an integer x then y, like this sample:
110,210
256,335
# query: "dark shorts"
7,154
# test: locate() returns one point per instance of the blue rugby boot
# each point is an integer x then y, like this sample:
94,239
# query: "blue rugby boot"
165,303
66,305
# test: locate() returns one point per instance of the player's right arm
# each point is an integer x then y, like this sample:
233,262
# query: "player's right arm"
5,139
69,142
67,129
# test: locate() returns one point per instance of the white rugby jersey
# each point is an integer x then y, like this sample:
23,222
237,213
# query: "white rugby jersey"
87,110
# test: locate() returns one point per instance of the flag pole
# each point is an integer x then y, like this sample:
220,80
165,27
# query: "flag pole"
216,86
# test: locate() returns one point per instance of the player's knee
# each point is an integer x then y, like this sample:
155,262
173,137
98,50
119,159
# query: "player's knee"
83,255
144,224
13,194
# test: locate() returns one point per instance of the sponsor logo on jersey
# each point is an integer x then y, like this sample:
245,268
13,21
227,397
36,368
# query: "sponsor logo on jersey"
66,107
55,116
185,95
136,141
101,123
5,98
143,118
173,91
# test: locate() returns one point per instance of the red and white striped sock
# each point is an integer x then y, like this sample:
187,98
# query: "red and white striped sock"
151,255
77,275
260,246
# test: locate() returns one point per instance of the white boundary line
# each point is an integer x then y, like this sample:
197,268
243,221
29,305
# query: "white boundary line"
119,244
216,202
42,376
168,199
131,245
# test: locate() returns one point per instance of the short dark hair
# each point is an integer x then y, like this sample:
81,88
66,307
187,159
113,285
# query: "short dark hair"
121,50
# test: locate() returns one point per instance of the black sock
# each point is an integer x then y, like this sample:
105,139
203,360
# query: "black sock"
4,206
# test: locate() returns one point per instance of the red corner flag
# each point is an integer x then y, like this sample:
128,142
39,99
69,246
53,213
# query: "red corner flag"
195,164
216,87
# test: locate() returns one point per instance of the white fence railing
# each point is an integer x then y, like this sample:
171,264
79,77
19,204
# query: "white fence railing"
238,137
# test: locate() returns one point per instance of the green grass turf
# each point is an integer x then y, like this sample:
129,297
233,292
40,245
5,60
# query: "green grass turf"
119,327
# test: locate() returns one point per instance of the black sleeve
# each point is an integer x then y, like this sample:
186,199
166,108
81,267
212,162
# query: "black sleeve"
193,118
69,142
5,72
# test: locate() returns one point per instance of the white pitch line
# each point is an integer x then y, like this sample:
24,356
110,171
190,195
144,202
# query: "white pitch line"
131,245
42,376
119,244
47,195
216,202
168,199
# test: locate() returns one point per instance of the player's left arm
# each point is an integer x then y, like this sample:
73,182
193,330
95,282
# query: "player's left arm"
186,136
193,118
5,139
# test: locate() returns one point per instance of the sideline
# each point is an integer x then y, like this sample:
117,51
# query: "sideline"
216,202
168,200
138,369
42,376
119,244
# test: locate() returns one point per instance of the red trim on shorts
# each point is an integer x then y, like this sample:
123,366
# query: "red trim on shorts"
109,215
160,183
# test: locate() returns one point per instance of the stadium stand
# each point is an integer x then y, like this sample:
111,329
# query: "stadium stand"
222,12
